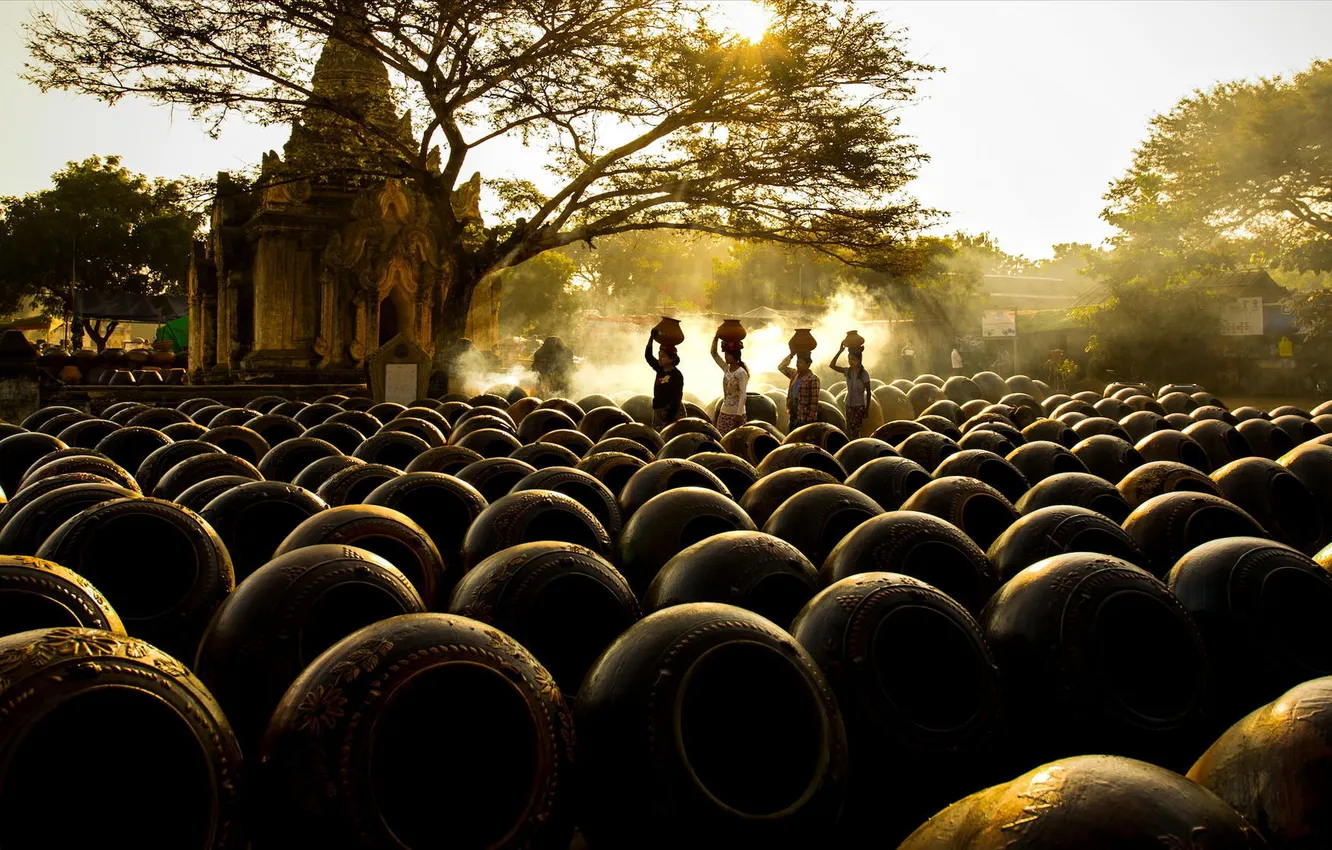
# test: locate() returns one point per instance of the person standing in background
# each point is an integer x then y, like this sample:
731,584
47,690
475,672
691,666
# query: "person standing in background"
908,361
802,397
735,384
857,389
957,361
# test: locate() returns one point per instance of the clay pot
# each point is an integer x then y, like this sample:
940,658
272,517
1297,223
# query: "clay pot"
316,414
295,607
529,516
56,424
688,445
346,438
88,432
917,545
489,442
1220,441
313,476
614,469
731,330
770,491
624,445
264,403
39,594
760,759
1108,457
541,422
947,409
46,485
827,437
802,342
545,455
1039,460
982,439
1166,527
597,421
253,519
289,458
360,420
750,442
392,448
233,416
894,403
1161,476
123,411
196,468
1260,607
918,689
668,331
582,488
984,466
129,447
736,473
1177,403
352,484
508,744
1265,439
442,505
19,451
1092,803
927,448
161,461
859,452
275,428
1076,488
285,408
1142,424
203,415
1053,531
85,700
565,406
169,596
1272,766
196,497
477,418
26,530
889,481
563,602
239,441
853,340
1174,447
1276,499
359,404
575,441
979,510
669,522
1299,428
1312,464
446,459
1098,656
929,378
992,386
183,431
1095,425
921,396
663,475
53,465
815,519
390,534
801,454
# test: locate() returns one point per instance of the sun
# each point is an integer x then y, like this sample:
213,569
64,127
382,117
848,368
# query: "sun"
746,18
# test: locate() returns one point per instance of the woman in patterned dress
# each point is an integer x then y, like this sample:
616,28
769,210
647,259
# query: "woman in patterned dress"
857,389
735,384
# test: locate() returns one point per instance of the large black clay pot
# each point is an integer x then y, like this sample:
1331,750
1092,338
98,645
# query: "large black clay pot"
442,505
88,433
184,431
563,602
39,594
53,465
529,516
1089,803
489,442
446,459
1108,457
644,435
1038,460
683,446
661,476
1278,500
494,477
1162,476
1051,430
289,458
1076,488
979,510
352,484
57,424
817,518
200,416
386,410
1262,608
164,595
985,466
1056,531
614,469
1165,527
889,481
263,404
897,430
670,522
748,569
280,618
735,472
1298,428
275,428
372,746
927,448
575,441
623,445
85,701
1219,440
918,545
340,434
18,452
358,404
827,437
1098,656
918,690
727,717
1212,412
427,431
694,425
316,414
319,471
26,530
582,488
597,421
253,519
1312,464
158,418
540,422
390,534
801,454
857,453
41,416
1174,447
941,425
360,420
1264,438
201,467
922,396
129,447
750,442
1143,423
392,448
239,441
232,416
1096,425
44,486
985,439
196,497
1275,767
768,493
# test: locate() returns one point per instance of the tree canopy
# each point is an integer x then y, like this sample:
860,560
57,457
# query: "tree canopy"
115,230
652,117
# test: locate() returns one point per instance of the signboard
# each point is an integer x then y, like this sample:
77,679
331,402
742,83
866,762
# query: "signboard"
1243,317
999,323
400,382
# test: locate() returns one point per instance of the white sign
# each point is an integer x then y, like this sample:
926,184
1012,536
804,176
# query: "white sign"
1243,317
400,382
998,323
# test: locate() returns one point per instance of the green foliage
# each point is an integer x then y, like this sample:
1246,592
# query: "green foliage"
123,232
1152,332
537,297
756,274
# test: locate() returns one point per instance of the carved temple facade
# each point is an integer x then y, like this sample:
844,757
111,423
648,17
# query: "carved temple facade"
305,274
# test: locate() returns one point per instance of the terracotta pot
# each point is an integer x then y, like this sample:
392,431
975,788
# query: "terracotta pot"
169,599
157,417
1300,428
160,461
927,448
801,454
1108,456
859,452
1174,447
28,529
565,406
853,340
672,521
1041,459
985,466
735,472
978,509
660,476
760,760
888,480
1055,531
196,497
771,490
828,437
129,447
690,425
1278,500
351,485
531,516
295,607
933,717
1168,526
1094,803
802,342
575,441
817,518
254,518
38,594
582,488
598,420
340,434
614,469
1273,767
922,396
668,331
494,477
317,472
56,464
731,330
508,744
1162,476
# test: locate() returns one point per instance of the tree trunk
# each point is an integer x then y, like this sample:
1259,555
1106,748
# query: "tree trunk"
100,340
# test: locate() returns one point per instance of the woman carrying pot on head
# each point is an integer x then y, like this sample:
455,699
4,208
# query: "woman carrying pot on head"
735,384
857,388
668,389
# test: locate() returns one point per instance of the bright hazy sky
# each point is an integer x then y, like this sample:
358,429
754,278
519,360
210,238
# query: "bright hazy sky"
1040,108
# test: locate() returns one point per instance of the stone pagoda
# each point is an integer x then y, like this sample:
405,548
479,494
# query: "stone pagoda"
305,274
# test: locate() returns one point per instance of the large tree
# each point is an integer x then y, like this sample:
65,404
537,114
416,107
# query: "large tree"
114,230
652,117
